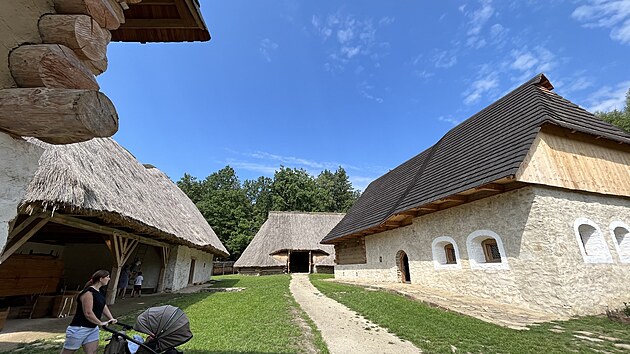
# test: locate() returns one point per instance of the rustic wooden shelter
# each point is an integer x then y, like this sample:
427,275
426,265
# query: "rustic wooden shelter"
526,202
289,242
94,198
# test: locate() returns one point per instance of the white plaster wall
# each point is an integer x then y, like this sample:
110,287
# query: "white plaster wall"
18,163
151,264
546,270
18,25
178,268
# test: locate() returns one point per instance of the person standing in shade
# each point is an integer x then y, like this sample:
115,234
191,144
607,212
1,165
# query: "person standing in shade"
83,330
137,285
123,281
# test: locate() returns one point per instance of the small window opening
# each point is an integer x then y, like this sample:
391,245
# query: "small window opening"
491,251
449,251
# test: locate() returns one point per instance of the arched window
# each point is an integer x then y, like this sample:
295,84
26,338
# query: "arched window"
591,242
449,251
620,233
486,251
445,253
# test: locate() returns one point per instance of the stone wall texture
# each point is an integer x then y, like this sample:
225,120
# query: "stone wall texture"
18,162
178,268
544,270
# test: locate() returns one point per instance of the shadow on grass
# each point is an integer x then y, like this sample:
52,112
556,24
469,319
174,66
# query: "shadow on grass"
220,282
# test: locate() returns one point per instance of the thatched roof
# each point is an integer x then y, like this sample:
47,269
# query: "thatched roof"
99,178
486,147
296,231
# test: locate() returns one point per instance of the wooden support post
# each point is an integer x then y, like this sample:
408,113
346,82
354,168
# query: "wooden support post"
121,248
80,33
51,66
289,261
100,10
57,116
17,242
310,262
166,252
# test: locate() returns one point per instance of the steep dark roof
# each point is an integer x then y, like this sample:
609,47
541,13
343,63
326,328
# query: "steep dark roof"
486,147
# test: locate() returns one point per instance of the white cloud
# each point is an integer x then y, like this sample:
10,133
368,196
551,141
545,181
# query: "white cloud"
608,98
386,20
477,19
479,87
353,38
367,91
267,46
360,182
445,59
449,119
613,14
528,63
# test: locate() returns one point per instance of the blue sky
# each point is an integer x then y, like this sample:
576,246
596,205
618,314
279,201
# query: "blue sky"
361,84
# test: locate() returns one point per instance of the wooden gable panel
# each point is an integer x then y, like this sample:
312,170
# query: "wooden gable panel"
575,161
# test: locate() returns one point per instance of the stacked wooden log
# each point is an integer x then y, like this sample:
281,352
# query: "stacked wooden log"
57,99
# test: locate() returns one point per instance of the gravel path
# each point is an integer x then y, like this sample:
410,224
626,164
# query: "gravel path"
343,330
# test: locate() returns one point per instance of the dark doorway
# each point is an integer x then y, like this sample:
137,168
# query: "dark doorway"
403,267
299,262
191,275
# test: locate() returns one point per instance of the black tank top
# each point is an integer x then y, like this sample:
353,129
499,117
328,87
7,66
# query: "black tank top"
98,304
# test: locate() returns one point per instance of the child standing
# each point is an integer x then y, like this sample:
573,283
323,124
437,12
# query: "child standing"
137,285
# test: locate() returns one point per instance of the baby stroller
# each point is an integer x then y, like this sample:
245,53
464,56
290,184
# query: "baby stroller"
167,327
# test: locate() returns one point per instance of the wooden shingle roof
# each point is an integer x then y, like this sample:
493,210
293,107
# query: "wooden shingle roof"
487,147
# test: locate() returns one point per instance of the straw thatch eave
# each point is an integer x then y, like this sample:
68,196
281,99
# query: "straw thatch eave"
101,179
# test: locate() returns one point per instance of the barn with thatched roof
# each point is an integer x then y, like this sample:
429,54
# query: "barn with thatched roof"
91,206
289,242
526,203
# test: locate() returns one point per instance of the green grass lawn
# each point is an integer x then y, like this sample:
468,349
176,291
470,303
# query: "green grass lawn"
259,319
434,330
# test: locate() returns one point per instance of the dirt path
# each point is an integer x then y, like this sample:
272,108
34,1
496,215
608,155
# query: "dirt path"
343,330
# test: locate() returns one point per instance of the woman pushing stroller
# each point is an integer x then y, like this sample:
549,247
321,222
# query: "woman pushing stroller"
84,328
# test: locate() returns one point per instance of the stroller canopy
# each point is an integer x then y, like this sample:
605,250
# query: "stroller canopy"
168,325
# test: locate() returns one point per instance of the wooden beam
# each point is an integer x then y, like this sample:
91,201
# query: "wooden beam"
99,10
17,243
118,10
492,187
50,66
90,226
411,213
428,208
80,33
17,229
57,116
454,198
96,67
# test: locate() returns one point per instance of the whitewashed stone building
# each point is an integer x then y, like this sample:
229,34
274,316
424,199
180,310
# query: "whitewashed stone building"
527,202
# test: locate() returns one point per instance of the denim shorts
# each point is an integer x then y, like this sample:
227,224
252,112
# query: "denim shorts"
78,336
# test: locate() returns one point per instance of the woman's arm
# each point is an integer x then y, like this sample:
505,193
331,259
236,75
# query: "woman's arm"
109,315
87,301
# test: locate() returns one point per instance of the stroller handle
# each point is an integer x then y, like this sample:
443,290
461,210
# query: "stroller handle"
123,325
124,335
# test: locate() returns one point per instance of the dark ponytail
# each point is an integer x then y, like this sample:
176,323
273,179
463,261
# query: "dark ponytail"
96,277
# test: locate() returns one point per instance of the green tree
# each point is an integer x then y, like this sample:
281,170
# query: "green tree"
191,186
293,190
618,118
258,193
225,206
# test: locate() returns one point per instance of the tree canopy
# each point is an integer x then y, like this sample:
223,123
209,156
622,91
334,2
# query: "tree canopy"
236,210
620,118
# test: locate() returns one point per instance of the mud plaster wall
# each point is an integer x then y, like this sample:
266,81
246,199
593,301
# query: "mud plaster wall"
178,268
